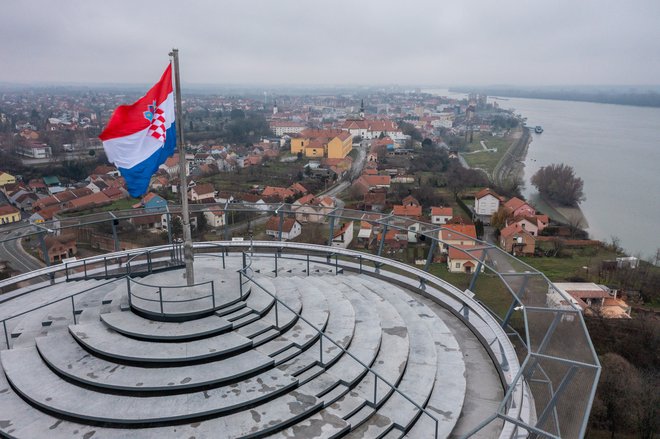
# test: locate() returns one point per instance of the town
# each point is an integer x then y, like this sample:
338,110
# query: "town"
428,181
421,158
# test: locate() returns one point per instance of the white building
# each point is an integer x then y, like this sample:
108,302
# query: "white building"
486,202
215,217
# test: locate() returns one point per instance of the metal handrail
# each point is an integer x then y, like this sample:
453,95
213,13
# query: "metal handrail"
344,351
70,297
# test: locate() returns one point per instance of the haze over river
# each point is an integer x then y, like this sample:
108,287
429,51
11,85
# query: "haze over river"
615,149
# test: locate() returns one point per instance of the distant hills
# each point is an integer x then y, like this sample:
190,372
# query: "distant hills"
621,95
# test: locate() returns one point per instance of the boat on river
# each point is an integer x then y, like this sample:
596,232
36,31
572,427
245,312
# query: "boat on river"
538,129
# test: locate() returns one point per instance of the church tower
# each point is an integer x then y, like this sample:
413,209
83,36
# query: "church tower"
275,108
362,108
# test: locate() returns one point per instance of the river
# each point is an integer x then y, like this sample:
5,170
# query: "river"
615,149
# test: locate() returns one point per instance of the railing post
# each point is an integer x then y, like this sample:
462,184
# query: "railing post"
223,258
336,266
275,263
244,262
85,268
331,231
321,349
213,293
44,248
160,299
105,265
360,258
66,270
128,288
375,390
149,267
240,282
307,264
115,223
277,314
4,327
73,310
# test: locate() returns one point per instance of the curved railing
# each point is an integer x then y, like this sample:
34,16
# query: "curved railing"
561,377
162,302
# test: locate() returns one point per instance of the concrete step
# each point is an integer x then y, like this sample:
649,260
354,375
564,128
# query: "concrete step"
49,391
107,342
67,358
18,419
316,310
279,315
132,325
419,378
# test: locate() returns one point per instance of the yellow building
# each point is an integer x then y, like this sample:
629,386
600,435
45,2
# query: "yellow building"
298,144
340,145
334,144
6,178
9,214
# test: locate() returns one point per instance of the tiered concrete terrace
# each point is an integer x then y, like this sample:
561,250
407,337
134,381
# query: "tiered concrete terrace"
293,348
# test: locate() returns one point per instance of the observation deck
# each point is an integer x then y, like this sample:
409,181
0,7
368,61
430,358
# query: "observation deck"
288,339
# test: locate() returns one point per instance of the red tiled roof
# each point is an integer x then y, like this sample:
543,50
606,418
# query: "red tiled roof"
442,211
7,209
410,211
460,229
273,224
463,252
512,229
482,193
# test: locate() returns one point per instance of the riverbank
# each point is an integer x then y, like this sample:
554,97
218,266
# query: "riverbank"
511,166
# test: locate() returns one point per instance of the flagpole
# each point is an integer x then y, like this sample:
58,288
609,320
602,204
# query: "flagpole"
185,214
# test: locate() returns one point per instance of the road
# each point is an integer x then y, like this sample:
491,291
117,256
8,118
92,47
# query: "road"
12,252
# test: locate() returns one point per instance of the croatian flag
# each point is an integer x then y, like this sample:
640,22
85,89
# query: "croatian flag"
140,137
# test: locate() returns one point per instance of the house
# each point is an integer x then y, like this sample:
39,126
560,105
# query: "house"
517,207
215,217
151,201
394,239
6,178
486,202
368,183
441,215
58,248
89,201
311,209
532,224
411,211
299,189
375,200
280,193
201,192
589,297
254,201
9,214
458,235
516,240
171,165
344,236
461,260
51,181
409,201
291,228
24,200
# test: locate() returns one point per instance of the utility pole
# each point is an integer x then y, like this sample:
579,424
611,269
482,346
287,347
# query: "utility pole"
185,214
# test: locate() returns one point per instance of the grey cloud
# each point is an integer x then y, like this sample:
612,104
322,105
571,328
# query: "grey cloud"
336,42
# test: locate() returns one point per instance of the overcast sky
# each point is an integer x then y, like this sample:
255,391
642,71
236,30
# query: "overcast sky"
407,42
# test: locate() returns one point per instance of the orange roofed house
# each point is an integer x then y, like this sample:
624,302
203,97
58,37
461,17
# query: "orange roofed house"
291,228
458,235
463,259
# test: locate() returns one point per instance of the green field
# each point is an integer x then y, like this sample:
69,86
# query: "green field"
487,160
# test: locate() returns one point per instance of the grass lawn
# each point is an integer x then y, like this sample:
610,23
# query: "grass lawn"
562,269
487,160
